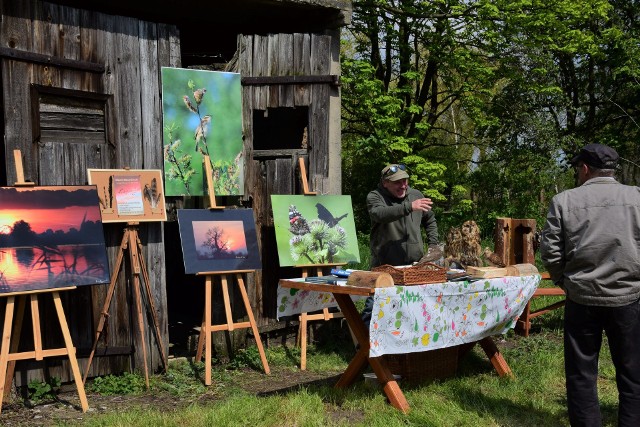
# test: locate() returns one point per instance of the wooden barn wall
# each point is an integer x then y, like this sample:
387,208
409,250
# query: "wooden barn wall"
132,51
276,171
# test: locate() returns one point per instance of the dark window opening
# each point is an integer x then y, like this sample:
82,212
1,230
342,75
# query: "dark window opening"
280,128
63,115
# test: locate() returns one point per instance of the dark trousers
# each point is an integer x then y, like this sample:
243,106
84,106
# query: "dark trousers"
583,327
366,312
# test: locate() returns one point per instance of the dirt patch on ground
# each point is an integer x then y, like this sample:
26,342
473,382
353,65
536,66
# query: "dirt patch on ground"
66,409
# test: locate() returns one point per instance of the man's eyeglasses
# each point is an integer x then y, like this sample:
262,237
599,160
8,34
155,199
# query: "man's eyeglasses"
395,168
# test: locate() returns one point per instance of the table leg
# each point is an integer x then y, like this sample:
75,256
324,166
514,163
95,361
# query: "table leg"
494,355
359,361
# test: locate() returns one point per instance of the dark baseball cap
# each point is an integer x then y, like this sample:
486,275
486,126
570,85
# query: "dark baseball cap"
597,155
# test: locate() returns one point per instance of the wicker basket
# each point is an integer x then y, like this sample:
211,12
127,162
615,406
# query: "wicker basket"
424,366
419,274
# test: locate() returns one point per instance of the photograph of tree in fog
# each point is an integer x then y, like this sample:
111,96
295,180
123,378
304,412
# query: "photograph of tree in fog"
51,237
218,240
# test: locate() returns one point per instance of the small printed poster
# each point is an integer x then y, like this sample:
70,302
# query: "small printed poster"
128,194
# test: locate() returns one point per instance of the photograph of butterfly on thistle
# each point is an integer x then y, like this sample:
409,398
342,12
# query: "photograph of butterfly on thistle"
202,116
314,229
127,195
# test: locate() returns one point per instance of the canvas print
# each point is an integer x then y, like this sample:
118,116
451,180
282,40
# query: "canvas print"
129,195
202,115
218,240
51,237
314,230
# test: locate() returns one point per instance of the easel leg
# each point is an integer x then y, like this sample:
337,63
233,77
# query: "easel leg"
207,330
17,330
71,351
303,320
145,275
201,338
136,296
302,336
254,326
134,262
227,302
107,303
6,342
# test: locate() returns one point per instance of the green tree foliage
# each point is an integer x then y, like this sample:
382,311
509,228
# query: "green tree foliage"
485,100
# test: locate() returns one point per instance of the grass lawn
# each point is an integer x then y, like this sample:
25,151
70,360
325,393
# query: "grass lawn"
476,396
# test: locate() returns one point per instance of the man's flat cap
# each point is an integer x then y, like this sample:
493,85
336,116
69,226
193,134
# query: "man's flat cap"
597,155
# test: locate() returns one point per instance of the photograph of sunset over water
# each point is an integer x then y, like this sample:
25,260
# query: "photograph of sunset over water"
51,237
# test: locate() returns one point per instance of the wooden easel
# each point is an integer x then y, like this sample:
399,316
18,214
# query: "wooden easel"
304,318
8,351
212,193
132,243
206,329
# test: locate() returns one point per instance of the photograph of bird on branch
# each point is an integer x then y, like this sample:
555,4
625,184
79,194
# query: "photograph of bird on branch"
202,116
314,229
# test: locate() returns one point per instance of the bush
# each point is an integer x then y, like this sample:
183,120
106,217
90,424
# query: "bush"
126,383
40,390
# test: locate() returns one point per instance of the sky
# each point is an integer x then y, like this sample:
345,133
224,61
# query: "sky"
55,208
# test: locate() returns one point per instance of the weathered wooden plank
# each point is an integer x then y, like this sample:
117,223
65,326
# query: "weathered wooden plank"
75,163
272,68
169,56
244,64
65,136
331,79
98,156
302,67
285,68
88,40
51,163
280,180
68,35
169,46
118,330
319,115
151,117
104,39
150,92
260,61
128,123
71,105
46,42
283,152
16,32
77,122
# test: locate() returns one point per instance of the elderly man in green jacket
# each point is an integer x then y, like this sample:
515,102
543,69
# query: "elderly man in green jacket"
397,214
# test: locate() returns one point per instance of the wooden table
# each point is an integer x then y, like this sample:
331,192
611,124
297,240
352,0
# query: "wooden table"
384,375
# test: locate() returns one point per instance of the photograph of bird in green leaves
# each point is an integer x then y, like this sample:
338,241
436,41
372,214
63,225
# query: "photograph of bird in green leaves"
202,116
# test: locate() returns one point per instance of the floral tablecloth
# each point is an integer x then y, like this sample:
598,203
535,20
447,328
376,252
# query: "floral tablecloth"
296,301
416,318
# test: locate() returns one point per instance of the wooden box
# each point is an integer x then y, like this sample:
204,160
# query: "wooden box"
425,365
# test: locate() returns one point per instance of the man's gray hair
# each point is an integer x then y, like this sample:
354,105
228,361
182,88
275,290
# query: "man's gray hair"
600,172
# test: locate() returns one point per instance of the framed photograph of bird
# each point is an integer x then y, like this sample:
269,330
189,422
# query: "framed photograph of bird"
218,240
202,116
129,195
313,230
